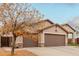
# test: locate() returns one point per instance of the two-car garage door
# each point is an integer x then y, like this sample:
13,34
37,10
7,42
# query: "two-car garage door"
54,40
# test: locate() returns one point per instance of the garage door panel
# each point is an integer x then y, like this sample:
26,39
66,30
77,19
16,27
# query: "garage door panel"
54,40
29,43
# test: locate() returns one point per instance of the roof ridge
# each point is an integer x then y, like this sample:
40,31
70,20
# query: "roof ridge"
43,21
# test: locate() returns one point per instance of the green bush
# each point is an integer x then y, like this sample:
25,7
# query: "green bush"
73,44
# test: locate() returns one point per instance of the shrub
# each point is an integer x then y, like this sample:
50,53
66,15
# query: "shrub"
73,44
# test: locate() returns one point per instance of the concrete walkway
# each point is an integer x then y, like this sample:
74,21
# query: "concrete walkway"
55,51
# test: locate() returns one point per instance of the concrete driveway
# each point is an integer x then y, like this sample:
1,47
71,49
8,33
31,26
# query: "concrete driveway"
55,51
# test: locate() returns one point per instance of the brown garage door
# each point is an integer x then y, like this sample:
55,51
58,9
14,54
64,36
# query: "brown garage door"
54,40
29,43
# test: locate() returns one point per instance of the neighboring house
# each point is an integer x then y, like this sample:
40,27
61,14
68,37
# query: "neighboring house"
46,33
71,32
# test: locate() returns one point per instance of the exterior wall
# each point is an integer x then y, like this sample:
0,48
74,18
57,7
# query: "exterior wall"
52,30
41,39
10,42
73,37
19,41
42,25
55,30
66,40
77,35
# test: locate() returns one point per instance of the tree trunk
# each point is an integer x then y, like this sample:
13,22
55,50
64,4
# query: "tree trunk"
13,44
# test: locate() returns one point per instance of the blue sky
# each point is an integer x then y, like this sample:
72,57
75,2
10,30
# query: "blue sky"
58,13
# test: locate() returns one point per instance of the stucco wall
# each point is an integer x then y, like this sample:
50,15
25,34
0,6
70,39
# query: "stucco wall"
42,25
55,30
19,41
41,39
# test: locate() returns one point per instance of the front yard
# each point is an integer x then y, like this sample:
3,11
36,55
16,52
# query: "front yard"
5,52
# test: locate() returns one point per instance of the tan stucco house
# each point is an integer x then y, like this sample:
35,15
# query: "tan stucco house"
71,32
46,33
49,34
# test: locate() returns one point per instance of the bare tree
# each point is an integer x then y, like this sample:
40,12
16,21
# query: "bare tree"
18,18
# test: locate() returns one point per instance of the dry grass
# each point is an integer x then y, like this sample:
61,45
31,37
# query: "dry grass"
17,53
